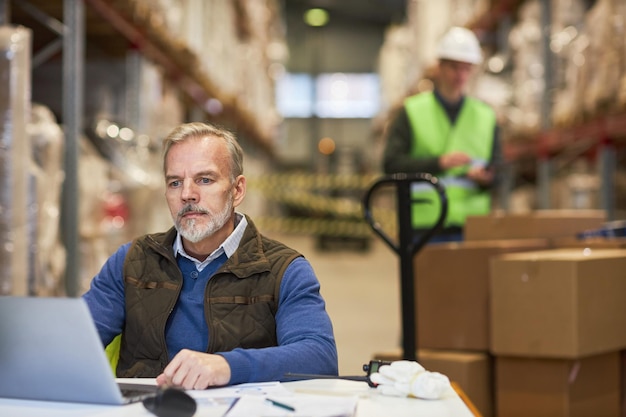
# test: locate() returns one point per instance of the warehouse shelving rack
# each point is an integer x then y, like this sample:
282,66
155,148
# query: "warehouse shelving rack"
601,133
111,24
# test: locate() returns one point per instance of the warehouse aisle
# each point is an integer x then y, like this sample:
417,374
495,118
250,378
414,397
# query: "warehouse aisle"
362,295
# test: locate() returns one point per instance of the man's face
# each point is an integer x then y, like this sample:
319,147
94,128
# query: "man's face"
455,74
198,189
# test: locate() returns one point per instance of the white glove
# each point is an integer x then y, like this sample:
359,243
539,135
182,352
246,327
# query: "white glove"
409,378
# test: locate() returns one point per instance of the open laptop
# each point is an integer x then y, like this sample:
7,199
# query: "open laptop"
50,350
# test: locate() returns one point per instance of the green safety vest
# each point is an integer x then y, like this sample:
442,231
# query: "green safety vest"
433,136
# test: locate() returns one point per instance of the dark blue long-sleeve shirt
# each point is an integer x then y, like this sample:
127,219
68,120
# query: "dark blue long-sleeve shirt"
304,330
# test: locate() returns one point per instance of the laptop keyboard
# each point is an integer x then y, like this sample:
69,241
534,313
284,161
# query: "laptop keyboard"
137,392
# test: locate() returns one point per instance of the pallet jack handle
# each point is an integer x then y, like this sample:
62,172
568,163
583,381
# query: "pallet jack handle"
406,247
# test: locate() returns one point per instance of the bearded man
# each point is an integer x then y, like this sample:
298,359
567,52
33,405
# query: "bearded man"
210,302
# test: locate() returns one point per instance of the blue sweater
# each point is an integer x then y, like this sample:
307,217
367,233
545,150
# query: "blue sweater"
306,342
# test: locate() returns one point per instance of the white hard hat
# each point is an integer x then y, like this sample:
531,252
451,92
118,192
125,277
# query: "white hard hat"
460,44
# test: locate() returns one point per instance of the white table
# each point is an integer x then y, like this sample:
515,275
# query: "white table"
370,403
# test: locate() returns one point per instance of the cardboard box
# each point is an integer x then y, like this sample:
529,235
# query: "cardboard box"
472,371
558,387
452,289
536,224
622,355
592,243
562,303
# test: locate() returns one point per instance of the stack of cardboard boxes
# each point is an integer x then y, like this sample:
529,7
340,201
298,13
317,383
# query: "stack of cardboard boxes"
523,325
557,320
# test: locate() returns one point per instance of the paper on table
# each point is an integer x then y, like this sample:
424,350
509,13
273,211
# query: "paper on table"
255,388
304,405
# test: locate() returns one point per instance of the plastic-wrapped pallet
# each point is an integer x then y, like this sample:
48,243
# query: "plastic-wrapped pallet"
603,59
49,259
227,49
526,40
237,43
619,21
568,43
15,151
591,52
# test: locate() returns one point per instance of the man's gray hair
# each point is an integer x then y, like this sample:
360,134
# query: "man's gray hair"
197,130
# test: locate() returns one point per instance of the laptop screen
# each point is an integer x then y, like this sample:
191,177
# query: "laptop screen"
50,350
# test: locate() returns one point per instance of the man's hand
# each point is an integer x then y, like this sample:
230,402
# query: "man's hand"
195,370
480,175
454,159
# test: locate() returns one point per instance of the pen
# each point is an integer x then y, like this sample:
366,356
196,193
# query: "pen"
232,405
279,404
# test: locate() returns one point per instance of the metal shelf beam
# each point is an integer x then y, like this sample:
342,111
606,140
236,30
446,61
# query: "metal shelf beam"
73,89
5,12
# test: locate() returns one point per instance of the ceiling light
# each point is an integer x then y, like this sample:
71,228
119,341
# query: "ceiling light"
316,17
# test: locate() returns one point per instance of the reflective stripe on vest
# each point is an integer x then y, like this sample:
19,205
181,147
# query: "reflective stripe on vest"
419,187
433,135
464,198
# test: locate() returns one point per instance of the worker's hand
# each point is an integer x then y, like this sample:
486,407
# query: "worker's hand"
480,175
195,370
409,378
454,159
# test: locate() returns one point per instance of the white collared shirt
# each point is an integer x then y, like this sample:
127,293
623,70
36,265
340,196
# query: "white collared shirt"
229,246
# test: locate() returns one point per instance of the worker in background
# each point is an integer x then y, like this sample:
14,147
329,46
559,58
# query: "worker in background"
449,135
211,301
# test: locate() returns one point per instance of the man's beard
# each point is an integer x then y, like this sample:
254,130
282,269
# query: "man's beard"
195,233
